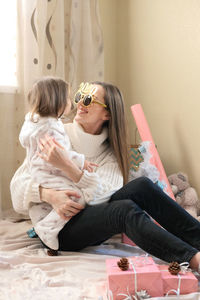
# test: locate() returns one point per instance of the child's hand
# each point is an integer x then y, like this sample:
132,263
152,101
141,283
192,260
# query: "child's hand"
89,166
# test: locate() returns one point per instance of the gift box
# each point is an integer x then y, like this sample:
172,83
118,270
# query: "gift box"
183,283
142,274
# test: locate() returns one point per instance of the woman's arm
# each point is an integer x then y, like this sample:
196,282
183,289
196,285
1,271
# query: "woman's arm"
24,191
97,187
61,202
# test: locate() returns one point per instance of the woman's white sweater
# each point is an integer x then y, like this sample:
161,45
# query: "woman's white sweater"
96,187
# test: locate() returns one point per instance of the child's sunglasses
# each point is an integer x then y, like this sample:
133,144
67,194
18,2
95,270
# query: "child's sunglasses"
86,96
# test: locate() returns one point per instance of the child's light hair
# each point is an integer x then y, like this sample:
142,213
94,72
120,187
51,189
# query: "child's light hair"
48,97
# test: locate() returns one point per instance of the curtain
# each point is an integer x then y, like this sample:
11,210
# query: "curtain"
60,38
40,41
84,57
55,37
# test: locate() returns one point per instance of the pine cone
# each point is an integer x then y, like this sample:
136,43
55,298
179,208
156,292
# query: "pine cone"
123,264
174,268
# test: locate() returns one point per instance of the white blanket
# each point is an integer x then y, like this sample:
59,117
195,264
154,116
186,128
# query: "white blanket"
28,273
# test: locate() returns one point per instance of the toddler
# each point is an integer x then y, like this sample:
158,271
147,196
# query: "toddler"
48,101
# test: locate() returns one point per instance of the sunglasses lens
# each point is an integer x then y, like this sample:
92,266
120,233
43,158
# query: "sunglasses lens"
87,100
77,97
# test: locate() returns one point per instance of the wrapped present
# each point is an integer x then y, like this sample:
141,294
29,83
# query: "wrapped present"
142,275
180,284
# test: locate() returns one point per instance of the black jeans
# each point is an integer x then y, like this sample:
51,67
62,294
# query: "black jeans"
129,211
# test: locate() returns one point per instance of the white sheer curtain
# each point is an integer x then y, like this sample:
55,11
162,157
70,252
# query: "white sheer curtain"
61,38
84,56
40,40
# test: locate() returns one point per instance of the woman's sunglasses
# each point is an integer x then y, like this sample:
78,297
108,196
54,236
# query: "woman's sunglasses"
86,95
87,100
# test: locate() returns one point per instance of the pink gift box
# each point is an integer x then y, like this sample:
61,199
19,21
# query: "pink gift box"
147,276
188,282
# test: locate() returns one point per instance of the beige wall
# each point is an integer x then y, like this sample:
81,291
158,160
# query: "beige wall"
156,62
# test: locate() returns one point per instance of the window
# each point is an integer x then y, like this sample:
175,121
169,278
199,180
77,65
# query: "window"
8,24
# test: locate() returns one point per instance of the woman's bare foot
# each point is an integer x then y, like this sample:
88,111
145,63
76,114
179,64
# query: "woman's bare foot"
195,262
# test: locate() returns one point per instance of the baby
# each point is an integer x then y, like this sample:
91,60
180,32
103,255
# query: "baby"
48,101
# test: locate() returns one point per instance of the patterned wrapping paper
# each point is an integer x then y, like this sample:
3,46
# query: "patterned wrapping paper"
146,276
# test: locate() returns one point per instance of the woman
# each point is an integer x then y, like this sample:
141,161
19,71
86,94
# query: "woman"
99,132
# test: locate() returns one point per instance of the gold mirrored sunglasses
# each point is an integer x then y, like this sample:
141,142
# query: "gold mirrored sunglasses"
85,94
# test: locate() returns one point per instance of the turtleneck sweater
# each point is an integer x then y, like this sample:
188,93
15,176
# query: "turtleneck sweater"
96,187
90,145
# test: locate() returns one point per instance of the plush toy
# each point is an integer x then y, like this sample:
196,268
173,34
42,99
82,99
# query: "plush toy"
185,195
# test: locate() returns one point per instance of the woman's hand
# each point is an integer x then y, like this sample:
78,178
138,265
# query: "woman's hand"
61,201
53,153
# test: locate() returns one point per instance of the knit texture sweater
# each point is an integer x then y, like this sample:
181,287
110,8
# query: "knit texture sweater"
96,187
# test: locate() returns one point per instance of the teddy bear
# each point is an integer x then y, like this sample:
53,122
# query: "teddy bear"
184,194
